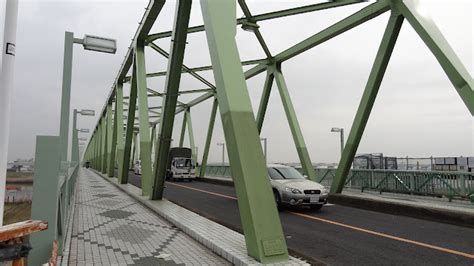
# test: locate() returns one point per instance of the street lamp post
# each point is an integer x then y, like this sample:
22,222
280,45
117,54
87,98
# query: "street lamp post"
223,151
92,43
265,148
75,137
341,131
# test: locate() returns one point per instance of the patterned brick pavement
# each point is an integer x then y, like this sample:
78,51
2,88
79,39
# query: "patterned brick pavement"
111,228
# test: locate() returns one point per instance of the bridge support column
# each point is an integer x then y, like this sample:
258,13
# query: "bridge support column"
173,78
298,138
103,124
110,141
205,155
260,221
368,98
144,123
262,109
129,135
183,129
191,133
119,129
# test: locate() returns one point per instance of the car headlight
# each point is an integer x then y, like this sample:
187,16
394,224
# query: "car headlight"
293,190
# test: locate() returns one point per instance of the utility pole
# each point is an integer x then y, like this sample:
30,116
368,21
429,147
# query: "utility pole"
6,85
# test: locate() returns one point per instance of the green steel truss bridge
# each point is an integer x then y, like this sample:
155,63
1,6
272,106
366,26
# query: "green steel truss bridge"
110,145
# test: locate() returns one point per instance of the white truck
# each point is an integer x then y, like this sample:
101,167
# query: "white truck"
180,166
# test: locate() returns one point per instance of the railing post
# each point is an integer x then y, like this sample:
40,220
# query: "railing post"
45,205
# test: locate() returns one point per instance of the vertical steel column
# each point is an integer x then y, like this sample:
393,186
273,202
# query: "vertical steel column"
183,129
104,143
119,129
75,141
175,63
153,134
132,102
262,109
259,216
191,134
212,119
298,138
370,93
439,46
66,97
110,140
144,123
135,156
99,145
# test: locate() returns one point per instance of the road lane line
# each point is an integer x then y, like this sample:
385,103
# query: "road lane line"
446,250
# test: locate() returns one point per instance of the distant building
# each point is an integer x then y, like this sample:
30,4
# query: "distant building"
462,164
374,161
21,165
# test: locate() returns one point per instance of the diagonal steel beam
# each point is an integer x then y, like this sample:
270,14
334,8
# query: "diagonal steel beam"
185,68
256,31
439,46
175,63
368,98
332,31
266,16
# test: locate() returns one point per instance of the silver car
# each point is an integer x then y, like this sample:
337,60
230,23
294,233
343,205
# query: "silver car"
291,188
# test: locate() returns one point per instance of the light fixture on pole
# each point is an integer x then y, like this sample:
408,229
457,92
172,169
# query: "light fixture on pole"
75,137
83,130
89,42
341,131
223,151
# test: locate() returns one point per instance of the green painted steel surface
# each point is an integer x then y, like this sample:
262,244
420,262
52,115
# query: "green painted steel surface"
191,134
262,109
75,141
183,129
439,46
44,205
128,133
183,9
113,146
66,96
210,129
103,138
294,125
144,124
259,216
110,136
370,93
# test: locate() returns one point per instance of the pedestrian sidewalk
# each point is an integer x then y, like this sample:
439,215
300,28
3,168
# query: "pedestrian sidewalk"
111,228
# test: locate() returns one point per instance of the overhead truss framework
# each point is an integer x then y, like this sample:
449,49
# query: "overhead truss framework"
123,135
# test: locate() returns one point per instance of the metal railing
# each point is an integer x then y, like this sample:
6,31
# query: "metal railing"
451,185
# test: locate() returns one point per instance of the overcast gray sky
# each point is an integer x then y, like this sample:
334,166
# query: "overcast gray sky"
417,113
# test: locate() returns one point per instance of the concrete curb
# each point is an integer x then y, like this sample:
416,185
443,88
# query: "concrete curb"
421,212
223,241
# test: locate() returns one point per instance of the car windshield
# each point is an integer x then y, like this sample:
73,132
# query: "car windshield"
184,163
276,173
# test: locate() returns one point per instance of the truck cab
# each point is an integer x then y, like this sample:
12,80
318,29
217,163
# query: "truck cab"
182,169
181,166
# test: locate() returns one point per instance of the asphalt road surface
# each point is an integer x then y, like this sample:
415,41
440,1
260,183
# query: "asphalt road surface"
339,235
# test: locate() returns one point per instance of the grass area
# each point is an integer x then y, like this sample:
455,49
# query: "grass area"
16,212
19,174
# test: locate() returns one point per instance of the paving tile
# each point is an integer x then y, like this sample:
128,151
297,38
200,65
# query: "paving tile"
111,228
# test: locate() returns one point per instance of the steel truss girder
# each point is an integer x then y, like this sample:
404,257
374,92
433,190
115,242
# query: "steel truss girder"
260,220
368,98
265,16
144,121
175,63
